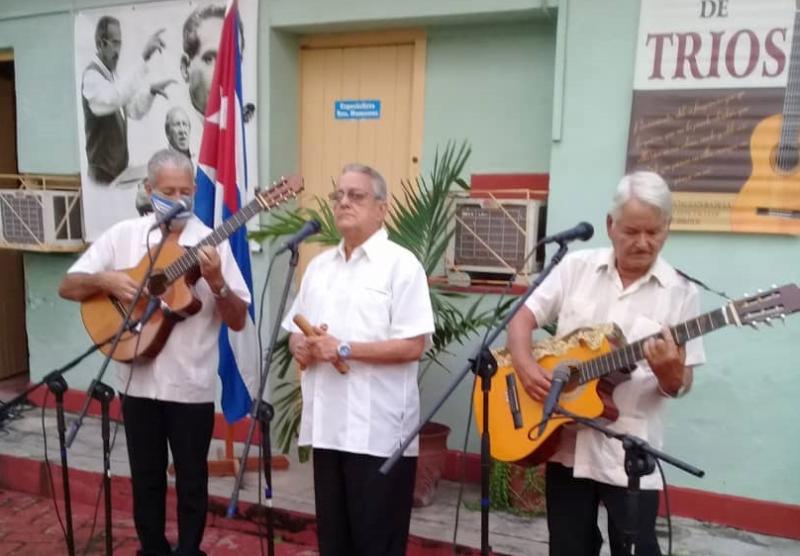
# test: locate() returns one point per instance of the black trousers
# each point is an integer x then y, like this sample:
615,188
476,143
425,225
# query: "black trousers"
151,425
359,511
572,506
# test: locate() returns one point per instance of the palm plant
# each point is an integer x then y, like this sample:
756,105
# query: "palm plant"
419,220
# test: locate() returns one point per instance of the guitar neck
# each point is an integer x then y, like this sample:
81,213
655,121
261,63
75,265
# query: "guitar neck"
188,261
627,357
791,101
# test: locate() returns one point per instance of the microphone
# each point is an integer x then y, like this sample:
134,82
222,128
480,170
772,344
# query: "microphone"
152,304
560,379
583,231
180,206
309,229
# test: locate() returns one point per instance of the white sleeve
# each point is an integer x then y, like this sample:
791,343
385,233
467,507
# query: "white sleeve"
298,303
412,314
546,301
106,97
99,257
231,273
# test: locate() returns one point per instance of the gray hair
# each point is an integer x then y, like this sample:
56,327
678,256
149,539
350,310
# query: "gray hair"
378,183
167,158
647,187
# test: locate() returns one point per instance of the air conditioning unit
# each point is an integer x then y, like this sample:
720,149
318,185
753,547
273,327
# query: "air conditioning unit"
41,219
493,238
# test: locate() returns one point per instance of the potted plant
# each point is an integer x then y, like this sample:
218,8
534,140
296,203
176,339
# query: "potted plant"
517,489
418,219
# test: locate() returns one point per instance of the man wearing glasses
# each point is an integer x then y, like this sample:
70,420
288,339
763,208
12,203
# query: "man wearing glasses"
369,302
109,100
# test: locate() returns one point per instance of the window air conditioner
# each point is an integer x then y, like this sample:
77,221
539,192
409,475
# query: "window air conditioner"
493,238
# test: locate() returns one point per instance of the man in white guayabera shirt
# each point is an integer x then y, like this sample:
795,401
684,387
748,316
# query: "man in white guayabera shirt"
631,286
169,400
368,299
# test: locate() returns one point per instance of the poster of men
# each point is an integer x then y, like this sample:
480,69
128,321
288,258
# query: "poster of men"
716,109
142,79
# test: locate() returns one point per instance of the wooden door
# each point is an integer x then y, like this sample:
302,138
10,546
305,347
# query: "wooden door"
13,336
385,66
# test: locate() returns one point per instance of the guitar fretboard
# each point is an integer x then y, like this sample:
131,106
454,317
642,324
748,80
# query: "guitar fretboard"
791,104
188,260
627,357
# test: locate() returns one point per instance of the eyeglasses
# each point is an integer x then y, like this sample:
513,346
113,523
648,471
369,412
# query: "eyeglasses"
354,195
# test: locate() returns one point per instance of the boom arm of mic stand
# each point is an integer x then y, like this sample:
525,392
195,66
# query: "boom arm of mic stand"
124,327
490,338
52,375
632,442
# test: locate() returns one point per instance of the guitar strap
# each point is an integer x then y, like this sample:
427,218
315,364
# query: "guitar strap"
702,285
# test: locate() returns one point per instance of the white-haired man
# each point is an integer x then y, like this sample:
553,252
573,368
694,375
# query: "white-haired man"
631,286
169,400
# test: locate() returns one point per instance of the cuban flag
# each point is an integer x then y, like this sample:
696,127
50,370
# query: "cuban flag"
221,190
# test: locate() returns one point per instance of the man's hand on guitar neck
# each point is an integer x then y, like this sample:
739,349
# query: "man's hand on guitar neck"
210,267
667,360
231,308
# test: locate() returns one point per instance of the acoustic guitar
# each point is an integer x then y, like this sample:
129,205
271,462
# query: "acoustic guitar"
769,201
597,359
171,286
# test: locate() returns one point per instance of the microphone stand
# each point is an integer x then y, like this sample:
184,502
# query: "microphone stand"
262,412
639,461
481,363
104,393
58,386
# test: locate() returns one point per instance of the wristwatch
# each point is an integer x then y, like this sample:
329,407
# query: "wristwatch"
344,350
223,292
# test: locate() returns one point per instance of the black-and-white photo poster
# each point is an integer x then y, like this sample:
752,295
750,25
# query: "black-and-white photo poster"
142,77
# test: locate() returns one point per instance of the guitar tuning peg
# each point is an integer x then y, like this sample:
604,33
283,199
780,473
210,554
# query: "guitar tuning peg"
759,290
774,286
782,316
768,322
754,325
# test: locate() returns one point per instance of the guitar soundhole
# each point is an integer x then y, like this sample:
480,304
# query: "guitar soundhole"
157,284
785,158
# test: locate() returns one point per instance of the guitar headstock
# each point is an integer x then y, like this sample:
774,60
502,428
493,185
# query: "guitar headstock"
280,191
772,304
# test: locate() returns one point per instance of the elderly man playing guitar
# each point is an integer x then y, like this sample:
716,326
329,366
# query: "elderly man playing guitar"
169,399
631,286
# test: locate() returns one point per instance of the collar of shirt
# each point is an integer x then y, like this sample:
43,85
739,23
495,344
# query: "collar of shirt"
371,247
663,273
107,73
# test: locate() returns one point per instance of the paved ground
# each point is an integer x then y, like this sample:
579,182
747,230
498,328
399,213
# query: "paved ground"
22,451
28,527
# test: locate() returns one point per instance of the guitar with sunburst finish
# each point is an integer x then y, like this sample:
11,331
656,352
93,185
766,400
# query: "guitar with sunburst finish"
596,360
769,201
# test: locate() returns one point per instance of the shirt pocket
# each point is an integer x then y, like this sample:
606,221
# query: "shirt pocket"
371,313
576,313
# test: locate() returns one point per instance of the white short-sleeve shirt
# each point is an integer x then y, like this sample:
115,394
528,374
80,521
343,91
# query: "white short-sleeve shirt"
381,293
186,368
586,290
